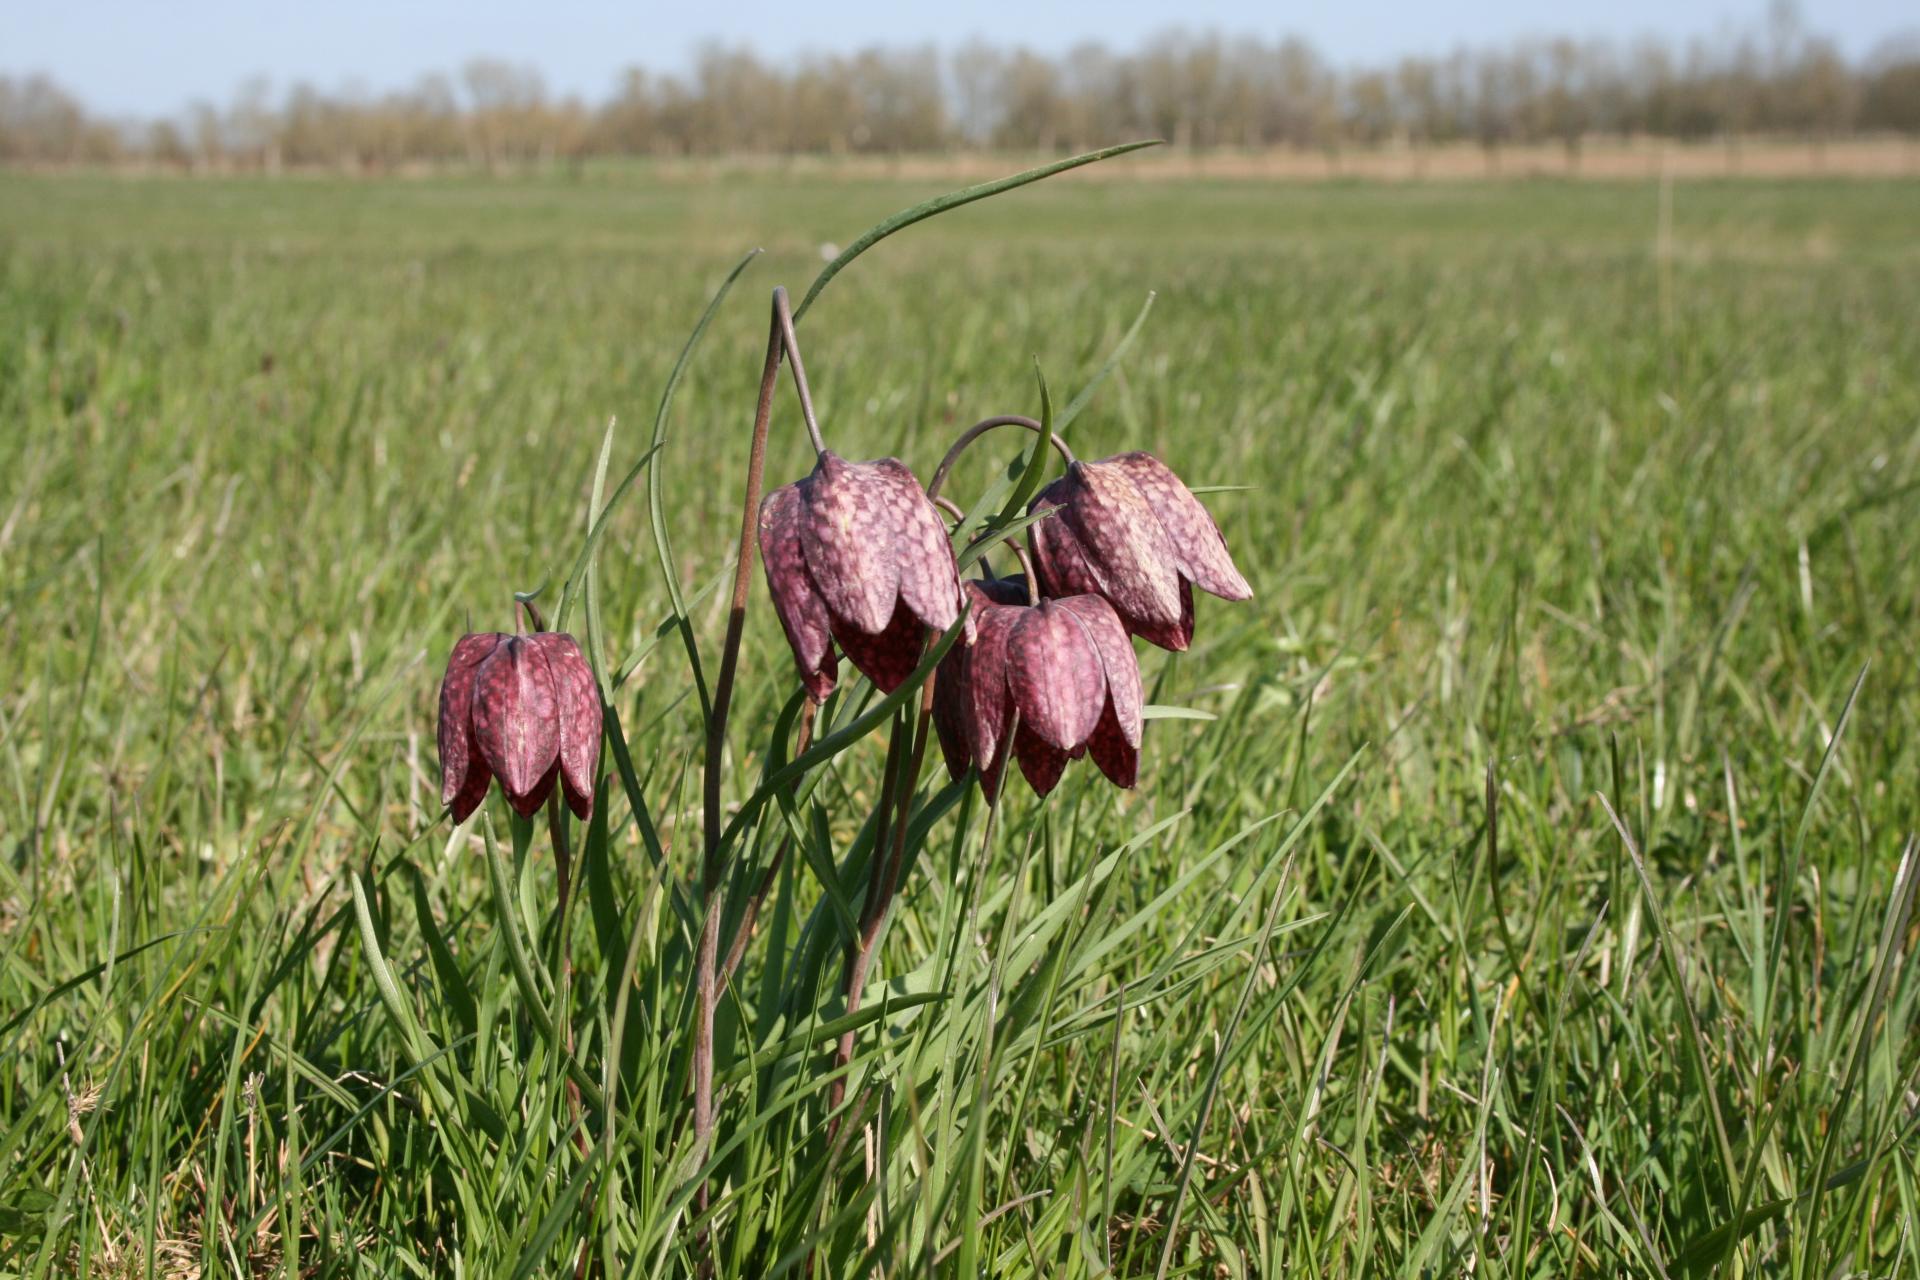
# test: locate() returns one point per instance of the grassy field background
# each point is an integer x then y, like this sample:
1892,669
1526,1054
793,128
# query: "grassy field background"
1540,482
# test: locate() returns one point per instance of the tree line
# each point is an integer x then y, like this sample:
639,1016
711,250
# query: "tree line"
1194,90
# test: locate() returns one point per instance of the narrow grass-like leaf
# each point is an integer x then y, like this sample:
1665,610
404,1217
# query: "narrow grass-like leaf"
840,739
1114,357
520,957
418,1049
656,507
1696,1039
1212,1088
1893,936
453,983
568,589
953,200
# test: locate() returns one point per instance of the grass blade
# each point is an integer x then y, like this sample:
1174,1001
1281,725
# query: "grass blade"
953,200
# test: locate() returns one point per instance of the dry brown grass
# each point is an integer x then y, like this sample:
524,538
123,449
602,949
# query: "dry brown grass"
1607,159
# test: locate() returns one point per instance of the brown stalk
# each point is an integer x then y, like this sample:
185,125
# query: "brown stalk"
859,952
744,934
707,958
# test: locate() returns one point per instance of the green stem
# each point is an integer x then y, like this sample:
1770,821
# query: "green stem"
520,960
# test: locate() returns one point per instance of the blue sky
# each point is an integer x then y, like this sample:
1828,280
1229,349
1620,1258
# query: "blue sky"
145,57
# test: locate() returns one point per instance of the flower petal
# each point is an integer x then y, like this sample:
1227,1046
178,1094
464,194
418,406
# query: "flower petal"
463,773
888,658
1055,675
1127,548
1195,535
528,803
1175,636
847,535
929,577
1125,698
992,704
803,615
1041,762
472,792
952,704
515,719
1116,757
579,718
1059,561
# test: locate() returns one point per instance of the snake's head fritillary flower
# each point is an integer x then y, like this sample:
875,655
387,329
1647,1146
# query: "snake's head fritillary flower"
1064,666
857,556
523,709
1128,530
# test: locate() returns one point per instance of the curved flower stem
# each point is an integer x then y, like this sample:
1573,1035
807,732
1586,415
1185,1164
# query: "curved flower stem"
783,321
981,428
952,508
780,339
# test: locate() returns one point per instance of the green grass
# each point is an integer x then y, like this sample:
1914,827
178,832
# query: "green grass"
1525,497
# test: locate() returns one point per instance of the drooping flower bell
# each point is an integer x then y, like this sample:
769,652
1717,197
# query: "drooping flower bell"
522,709
856,556
1128,530
1065,665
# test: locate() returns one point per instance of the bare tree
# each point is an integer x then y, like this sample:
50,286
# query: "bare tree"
1194,90
977,73
1890,88
1033,111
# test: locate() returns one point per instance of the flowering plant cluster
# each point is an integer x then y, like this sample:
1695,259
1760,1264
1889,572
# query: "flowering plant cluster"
862,562
860,565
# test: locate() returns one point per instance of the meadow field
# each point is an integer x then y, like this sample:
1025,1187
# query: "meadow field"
1520,885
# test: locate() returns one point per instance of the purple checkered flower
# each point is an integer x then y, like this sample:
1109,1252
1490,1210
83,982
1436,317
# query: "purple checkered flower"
1125,528
1065,666
857,556
522,709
